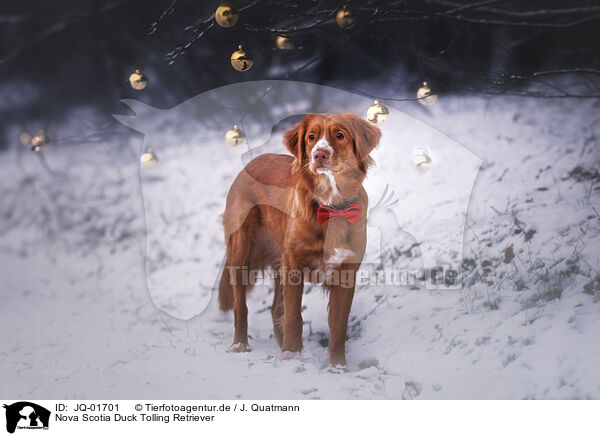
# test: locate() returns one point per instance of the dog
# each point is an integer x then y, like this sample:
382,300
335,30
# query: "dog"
303,216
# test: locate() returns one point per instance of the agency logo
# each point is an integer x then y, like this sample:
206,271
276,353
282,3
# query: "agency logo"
26,415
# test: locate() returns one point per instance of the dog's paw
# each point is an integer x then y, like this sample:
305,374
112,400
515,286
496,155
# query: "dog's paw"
289,355
239,347
337,368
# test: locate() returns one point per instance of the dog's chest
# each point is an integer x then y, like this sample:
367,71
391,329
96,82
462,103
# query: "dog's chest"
316,271
326,189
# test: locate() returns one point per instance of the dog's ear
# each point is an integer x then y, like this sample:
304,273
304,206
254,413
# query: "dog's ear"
366,135
294,141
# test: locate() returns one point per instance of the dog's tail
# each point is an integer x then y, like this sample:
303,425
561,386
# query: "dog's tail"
225,290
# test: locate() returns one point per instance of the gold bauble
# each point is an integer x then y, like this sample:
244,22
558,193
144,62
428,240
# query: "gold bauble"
377,113
148,160
138,80
25,139
284,43
241,59
235,137
422,161
425,95
40,143
345,18
227,15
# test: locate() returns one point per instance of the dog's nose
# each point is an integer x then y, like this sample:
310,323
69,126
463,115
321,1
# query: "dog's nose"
321,156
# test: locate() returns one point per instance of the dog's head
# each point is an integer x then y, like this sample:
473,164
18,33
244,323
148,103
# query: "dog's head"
332,153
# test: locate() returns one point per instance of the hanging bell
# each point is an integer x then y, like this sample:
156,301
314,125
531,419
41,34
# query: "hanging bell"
138,80
40,143
377,113
425,95
227,15
422,161
241,59
235,137
148,160
284,43
345,18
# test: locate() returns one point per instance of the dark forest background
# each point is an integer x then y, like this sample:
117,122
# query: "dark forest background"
60,55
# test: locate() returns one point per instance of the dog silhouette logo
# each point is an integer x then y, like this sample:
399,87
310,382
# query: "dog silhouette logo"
26,415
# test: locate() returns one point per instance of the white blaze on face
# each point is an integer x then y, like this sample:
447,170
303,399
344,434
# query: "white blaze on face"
323,144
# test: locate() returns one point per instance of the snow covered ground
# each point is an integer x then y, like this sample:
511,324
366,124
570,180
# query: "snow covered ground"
79,319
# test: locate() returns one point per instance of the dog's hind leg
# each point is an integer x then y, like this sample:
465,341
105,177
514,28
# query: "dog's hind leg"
239,251
240,312
277,311
226,289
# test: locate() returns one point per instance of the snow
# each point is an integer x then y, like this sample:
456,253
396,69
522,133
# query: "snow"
105,269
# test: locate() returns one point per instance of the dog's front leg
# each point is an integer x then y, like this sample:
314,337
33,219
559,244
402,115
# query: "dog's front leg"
341,294
293,286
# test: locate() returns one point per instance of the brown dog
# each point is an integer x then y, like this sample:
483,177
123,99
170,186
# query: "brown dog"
304,217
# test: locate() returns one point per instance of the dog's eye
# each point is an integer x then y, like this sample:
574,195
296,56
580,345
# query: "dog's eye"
311,137
340,135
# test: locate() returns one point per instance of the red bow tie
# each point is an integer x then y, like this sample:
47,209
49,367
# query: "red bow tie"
351,213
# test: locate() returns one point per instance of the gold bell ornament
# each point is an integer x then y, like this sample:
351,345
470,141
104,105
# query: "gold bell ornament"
227,15
138,80
235,137
345,18
377,113
241,59
40,143
148,160
284,43
425,95
422,161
